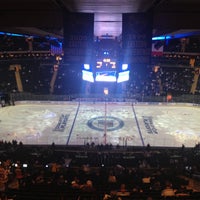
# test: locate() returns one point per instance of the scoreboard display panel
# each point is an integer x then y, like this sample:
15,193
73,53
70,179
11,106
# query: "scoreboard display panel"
106,66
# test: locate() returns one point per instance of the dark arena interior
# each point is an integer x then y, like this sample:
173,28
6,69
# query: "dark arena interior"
99,100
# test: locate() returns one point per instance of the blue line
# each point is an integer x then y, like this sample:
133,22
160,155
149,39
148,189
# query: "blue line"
70,132
138,126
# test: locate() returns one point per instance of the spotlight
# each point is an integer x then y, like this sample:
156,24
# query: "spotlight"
124,66
86,66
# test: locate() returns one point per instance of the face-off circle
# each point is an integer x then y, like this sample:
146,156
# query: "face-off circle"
102,122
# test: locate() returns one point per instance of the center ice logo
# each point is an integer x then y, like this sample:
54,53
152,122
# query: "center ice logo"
109,123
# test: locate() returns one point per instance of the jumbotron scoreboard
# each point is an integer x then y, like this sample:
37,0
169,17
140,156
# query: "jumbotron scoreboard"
107,65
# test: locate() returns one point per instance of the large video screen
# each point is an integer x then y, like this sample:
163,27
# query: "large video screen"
87,76
123,76
106,76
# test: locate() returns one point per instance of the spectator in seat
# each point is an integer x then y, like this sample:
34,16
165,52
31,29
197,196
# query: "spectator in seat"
123,191
168,190
182,191
75,184
87,191
13,186
88,187
112,180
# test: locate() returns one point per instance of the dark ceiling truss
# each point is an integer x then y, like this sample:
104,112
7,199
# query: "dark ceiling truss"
45,17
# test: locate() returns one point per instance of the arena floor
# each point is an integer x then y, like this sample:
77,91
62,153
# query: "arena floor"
73,123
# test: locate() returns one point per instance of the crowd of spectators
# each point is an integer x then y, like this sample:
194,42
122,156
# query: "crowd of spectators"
36,78
175,75
185,44
95,173
161,81
8,43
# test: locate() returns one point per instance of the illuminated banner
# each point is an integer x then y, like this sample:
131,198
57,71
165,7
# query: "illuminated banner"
78,37
136,38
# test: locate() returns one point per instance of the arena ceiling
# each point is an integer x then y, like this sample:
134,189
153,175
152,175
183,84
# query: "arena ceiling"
44,17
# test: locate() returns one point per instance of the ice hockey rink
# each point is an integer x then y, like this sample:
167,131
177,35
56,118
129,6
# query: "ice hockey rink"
116,123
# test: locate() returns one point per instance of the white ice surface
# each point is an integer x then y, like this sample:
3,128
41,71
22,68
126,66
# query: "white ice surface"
34,123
